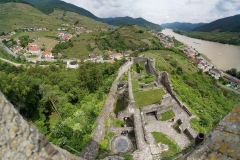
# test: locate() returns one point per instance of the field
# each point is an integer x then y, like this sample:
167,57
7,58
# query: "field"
201,93
79,20
48,43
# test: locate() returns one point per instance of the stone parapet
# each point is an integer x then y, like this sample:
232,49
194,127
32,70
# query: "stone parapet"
21,140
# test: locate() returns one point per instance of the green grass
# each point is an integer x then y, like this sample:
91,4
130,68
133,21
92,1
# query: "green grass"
167,115
135,85
47,42
119,106
146,98
118,123
147,79
204,98
177,43
18,15
173,147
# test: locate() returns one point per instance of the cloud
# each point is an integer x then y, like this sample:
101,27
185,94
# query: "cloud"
162,11
227,5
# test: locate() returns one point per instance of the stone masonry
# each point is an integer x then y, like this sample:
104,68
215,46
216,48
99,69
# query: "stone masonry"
20,140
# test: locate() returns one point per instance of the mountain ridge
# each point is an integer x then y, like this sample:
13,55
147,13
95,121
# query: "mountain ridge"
120,21
48,6
227,24
185,26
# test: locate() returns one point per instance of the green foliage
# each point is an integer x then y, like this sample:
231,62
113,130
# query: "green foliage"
173,147
127,38
103,145
234,72
89,48
147,79
118,123
73,62
167,115
119,106
60,47
61,103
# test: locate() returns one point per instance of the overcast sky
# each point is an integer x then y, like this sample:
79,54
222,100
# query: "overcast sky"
162,11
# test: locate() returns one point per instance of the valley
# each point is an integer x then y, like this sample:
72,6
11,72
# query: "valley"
111,88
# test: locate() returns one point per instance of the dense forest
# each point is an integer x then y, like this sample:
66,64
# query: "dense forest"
62,103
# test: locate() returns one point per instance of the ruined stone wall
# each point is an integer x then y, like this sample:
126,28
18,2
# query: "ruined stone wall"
164,79
91,150
20,140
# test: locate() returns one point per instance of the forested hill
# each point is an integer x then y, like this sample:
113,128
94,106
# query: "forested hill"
47,6
16,1
182,26
121,21
228,24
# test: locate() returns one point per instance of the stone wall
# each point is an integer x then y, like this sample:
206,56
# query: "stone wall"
91,150
21,140
165,81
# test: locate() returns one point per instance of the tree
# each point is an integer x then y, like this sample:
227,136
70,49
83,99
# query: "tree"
49,95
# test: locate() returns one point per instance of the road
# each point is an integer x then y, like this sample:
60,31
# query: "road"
13,63
227,88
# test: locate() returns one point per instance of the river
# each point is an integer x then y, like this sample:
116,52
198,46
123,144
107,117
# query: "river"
223,56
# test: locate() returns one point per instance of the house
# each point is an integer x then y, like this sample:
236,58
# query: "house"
234,81
6,38
32,45
35,50
17,49
47,54
62,39
215,73
93,57
201,65
118,56
110,54
59,29
127,53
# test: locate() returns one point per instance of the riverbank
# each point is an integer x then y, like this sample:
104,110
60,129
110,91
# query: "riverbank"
223,56
232,38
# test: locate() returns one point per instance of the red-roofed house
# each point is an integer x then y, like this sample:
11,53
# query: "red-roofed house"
32,45
35,50
47,54
17,49
110,54
118,56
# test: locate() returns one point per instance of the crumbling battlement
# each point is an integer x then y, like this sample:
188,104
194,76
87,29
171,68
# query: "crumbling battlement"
21,140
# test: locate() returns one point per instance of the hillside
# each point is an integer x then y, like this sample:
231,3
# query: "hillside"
120,21
19,15
182,26
48,6
77,19
128,37
228,24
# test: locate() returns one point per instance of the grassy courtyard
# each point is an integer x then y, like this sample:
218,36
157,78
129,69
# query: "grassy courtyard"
146,98
167,115
173,147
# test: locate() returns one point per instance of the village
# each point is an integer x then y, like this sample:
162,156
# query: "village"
202,63
36,53
33,52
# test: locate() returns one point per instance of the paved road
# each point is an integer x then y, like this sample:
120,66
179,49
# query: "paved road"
13,63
